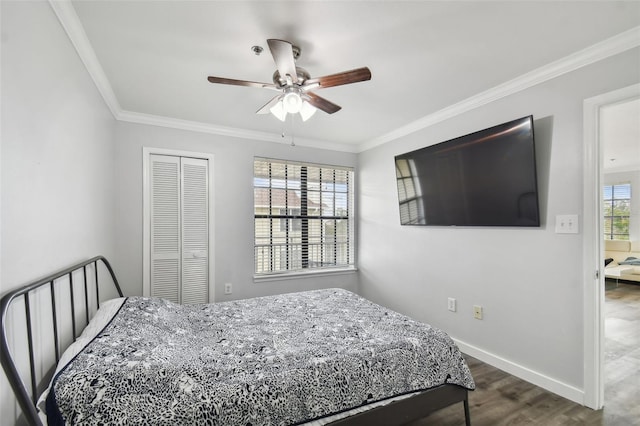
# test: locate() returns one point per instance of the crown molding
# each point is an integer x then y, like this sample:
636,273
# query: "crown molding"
594,53
195,126
69,20
71,23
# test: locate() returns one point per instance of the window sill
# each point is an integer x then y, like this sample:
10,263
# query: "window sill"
303,274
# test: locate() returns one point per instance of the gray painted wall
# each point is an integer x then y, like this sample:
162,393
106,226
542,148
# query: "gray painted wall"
72,187
529,281
233,210
58,156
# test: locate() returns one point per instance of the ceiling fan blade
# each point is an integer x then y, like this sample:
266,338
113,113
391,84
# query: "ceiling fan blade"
322,103
282,52
222,80
266,108
341,78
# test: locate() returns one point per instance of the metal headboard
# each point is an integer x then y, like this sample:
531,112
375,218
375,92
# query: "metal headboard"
28,402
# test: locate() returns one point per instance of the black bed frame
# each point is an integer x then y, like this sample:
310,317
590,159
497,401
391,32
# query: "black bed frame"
395,413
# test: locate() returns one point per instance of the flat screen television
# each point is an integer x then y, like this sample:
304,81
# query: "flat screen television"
486,178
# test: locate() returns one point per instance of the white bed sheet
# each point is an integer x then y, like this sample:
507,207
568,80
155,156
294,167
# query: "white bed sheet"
99,321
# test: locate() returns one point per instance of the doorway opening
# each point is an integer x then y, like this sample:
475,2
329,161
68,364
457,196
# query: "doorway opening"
593,243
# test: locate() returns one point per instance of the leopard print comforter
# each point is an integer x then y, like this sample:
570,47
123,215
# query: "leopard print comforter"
276,360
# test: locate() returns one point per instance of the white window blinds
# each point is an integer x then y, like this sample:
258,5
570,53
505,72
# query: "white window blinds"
303,216
616,200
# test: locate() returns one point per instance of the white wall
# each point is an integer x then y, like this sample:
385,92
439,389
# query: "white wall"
632,177
529,281
233,210
58,198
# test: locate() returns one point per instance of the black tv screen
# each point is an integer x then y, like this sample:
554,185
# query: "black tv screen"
486,178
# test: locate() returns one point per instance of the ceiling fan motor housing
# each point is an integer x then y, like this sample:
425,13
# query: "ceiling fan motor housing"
303,75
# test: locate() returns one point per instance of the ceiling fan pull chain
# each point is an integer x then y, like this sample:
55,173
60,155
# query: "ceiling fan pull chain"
284,122
292,137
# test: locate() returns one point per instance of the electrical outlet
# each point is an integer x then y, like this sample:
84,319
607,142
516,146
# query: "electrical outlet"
228,288
451,304
477,312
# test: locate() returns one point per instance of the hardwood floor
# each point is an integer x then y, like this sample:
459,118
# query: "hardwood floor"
502,399
622,349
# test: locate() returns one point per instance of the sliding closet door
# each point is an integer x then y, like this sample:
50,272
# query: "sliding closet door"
179,228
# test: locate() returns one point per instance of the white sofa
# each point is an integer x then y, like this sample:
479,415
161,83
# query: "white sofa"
619,250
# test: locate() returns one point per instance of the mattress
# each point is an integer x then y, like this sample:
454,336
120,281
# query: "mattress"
285,359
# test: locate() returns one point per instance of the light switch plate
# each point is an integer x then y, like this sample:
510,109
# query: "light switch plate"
567,224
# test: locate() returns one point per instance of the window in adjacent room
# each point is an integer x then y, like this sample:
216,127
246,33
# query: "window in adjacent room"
303,216
617,209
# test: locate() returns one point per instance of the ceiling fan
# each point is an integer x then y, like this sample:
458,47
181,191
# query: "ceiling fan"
295,84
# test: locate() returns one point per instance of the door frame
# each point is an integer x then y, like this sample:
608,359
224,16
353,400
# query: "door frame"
593,251
146,214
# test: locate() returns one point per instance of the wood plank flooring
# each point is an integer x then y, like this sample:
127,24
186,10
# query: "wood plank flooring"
502,399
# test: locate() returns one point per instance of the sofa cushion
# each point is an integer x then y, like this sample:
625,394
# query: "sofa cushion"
617,245
619,251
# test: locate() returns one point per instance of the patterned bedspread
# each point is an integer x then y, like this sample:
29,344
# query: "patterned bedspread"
275,360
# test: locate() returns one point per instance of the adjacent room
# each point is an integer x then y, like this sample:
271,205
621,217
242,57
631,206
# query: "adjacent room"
466,171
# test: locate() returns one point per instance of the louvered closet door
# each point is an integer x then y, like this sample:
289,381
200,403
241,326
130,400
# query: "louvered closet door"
179,229
165,227
195,235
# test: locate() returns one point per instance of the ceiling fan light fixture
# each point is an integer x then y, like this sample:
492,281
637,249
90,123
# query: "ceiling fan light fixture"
307,110
292,102
278,111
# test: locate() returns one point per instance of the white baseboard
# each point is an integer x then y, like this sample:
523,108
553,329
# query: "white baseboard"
552,385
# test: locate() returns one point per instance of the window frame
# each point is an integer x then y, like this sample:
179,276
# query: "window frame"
609,233
307,192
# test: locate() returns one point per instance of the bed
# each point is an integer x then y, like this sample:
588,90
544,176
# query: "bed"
314,358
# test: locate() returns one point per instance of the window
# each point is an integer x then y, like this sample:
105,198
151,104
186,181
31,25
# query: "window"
288,224
303,216
617,209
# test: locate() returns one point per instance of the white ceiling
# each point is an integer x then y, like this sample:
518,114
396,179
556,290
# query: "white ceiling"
429,59
620,133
